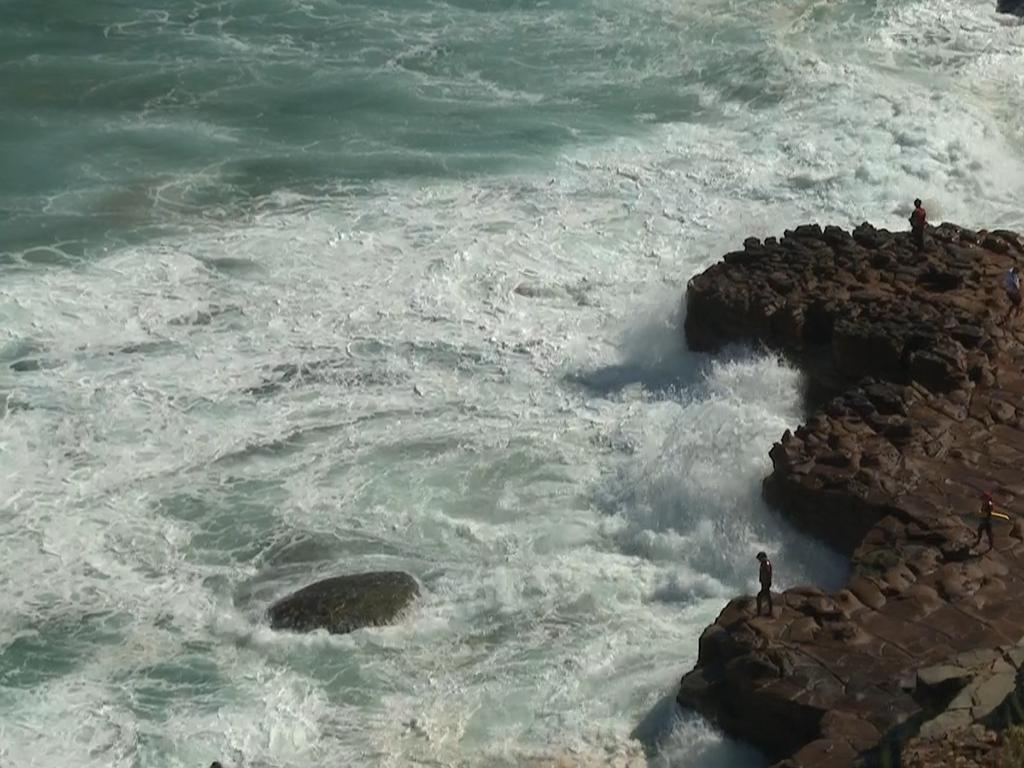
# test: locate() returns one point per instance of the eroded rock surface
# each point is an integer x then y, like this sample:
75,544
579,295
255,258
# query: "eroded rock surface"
926,373
346,603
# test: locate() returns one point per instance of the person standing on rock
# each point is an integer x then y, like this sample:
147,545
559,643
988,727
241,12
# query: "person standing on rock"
1012,285
918,222
988,511
765,576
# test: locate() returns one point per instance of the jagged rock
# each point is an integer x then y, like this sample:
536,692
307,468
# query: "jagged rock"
345,603
942,678
924,381
1011,6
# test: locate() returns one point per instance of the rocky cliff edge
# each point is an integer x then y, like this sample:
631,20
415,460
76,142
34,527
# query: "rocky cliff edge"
915,379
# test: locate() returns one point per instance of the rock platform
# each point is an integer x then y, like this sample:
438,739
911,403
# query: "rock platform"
915,386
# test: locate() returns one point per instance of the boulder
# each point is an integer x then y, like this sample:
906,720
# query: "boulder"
1015,7
345,603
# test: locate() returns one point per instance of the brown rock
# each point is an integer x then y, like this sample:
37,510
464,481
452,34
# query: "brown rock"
867,592
804,630
826,753
924,384
856,731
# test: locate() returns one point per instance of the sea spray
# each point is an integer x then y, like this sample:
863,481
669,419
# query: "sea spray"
291,289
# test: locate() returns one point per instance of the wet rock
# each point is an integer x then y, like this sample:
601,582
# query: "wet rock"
925,381
538,291
33,364
346,603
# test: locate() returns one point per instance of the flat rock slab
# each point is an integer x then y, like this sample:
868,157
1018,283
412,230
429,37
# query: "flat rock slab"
346,603
916,371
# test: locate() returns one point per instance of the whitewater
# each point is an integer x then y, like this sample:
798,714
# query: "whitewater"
294,288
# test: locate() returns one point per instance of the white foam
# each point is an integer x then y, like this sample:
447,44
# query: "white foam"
578,495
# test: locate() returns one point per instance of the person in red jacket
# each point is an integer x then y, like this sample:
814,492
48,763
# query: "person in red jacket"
918,223
765,576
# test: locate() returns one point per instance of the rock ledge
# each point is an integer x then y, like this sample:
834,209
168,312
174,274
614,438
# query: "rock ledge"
916,392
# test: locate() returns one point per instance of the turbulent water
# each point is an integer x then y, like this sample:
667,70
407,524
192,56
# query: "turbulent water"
292,288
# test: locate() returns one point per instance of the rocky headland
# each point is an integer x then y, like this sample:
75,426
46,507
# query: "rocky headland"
915,396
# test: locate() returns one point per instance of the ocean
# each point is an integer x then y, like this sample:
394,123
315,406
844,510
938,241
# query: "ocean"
296,288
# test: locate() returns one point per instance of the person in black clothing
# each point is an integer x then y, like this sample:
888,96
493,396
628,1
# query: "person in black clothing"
765,576
918,222
985,526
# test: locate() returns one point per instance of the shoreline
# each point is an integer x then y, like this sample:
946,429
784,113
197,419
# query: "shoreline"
914,396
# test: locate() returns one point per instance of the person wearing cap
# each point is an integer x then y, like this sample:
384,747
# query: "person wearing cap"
987,511
1011,283
918,222
765,576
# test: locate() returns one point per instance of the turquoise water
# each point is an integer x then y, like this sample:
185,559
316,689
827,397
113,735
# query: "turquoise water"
137,116
291,289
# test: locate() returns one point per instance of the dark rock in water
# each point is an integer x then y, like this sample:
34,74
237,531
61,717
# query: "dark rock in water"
1015,7
145,348
339,371
206,316
922,648
33,364
346,603
538,290
229,264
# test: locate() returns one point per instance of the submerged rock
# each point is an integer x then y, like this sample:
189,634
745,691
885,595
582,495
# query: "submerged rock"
31,364
346,603
337,371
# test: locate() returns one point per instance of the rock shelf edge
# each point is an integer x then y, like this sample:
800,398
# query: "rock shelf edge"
916,661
